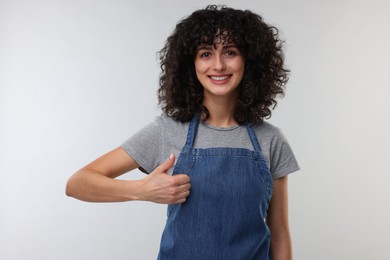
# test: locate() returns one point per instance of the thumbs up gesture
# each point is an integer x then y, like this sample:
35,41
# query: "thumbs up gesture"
160,187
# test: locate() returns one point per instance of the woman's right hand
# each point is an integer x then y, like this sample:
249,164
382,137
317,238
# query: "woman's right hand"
96,182
161,187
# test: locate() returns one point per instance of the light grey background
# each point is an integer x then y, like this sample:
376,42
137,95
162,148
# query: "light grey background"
77,78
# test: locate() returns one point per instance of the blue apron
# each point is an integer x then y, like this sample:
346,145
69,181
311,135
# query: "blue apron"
224,216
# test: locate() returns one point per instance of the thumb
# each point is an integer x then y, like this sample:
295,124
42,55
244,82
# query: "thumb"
165,166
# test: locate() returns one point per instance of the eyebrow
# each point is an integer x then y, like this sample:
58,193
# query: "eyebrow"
210,47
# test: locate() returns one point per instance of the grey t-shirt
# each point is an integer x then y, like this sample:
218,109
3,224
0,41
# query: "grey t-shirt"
153,144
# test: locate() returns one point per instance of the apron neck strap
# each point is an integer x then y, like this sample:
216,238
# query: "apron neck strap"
192,129
253,137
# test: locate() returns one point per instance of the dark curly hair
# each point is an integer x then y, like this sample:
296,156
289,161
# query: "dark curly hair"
180,93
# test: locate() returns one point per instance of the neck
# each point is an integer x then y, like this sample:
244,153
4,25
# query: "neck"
221,111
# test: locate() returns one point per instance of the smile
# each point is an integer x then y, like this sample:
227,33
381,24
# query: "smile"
220,78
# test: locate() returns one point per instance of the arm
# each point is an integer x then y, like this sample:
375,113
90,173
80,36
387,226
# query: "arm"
96,181
277,220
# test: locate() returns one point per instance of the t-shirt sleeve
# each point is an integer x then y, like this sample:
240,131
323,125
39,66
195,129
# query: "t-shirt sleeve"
282,158
145,146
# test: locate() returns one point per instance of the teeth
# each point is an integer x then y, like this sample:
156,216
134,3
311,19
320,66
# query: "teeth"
219,77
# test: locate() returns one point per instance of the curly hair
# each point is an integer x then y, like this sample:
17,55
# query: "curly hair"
180,93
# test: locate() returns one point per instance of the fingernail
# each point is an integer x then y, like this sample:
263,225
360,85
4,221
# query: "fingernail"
171,156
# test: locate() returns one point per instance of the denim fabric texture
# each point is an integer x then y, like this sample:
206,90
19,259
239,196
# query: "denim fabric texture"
224,215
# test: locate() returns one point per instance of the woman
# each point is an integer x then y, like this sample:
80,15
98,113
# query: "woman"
227,193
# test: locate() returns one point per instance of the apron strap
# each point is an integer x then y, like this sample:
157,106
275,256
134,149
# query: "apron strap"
253,137
192,129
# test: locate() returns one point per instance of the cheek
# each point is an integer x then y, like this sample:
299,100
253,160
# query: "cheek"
240,68
242,71
200,66
237,65
198,72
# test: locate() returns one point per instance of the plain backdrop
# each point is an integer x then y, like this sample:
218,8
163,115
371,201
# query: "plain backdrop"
77,78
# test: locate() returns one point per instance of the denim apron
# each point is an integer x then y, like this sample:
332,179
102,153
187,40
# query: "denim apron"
224,216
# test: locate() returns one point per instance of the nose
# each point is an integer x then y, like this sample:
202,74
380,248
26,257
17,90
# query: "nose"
218,63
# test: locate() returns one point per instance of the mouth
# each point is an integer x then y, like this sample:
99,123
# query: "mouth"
219,79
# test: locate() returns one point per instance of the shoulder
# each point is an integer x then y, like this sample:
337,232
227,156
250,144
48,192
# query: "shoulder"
281,157
268,132
152,144
172,131
161,123
165,122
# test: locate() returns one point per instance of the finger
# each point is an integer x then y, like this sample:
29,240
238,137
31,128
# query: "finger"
182,200
165,166
184,195
181,179
184,188
178,201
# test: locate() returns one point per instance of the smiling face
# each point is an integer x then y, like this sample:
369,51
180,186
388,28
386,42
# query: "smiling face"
220,69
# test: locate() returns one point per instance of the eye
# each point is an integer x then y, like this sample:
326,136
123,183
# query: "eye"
205,54
231,53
